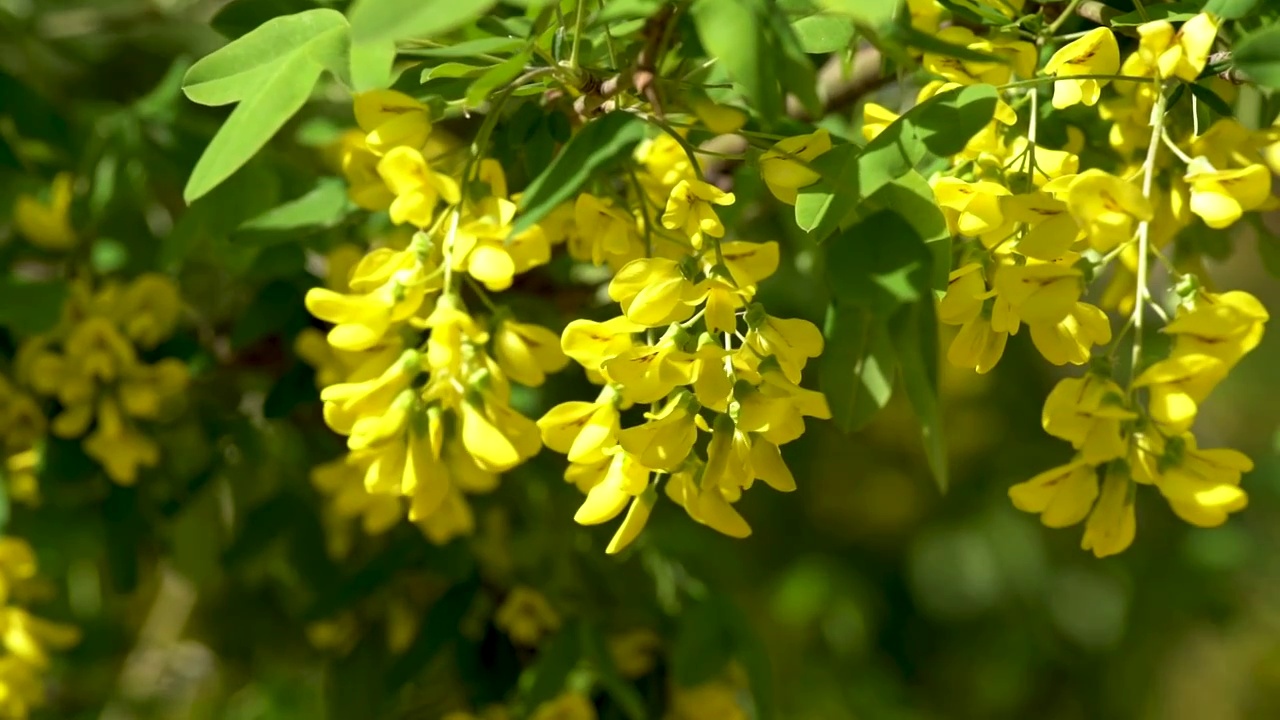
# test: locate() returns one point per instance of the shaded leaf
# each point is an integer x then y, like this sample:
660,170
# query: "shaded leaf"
857,365
473,48
733,32
556,659
495,77
596,145
824,33
241,16
915,339
1172,12
1230,9
324,206
28,307
704,644
439,628
1211,99
371,65
880,262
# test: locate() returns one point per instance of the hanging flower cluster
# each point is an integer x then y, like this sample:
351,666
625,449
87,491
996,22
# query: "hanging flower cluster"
419,384
691,344
1038,228
25,639
94,363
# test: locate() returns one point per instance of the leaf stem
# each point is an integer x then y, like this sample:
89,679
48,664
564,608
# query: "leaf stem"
1052,78
1144,229
577,35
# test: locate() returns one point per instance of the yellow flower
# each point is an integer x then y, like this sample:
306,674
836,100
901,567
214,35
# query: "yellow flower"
616,483
484,246
1088,412
715,700
647,373
978,345
526,616
118,447
604,233
1061,496
666,439
568,706
1220,197
749,262
1051,231
498,437
1071,339
1201,486
418,188
719,119
1041,292
1182,54
583,431
783,167
365,186
1178,385
690,209
1106,207
149,309
591,343
527,353
634,652
791,341
965,292
654,292
775,410
392,119
708,504
1046,164
1096,53
343,482
973,209
361,320
47,225
875,118
1111,525
1224,326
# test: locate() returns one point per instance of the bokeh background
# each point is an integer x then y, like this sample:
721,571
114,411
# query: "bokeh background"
874,595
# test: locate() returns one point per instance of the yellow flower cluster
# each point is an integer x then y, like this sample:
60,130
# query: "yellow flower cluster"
25,639
418,384
1039,228
93,364
689,343
22,432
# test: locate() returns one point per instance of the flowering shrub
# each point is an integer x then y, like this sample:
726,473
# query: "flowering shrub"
659,241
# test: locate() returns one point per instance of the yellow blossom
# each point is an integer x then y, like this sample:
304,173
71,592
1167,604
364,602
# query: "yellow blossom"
654,292
1051,231
1222,325
978,345
604,233
591,343
527,353
1178,385
791,341
526,616
973,209
1096,53
1111,526
1061,496
1106,207
567,706
1220,197
690,209
1182,54
418,188
783,167
1071,339
47,225
1088,412
1201,486
485,247
392,119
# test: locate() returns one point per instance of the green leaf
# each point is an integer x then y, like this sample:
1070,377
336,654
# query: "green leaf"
1172,12
796,69
270,73
912,199
596,145
876,15
28,308
753,655
371,65
1211,99
495,77
880,262
1230,9
915,340
557,658
911,37
824,33
941,126
451,70
733,32
474,48
1258,56
399,20
857,367
353,684
704,644
324,206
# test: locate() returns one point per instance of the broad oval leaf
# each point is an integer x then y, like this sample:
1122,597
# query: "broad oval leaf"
733,32
857,368
1258,56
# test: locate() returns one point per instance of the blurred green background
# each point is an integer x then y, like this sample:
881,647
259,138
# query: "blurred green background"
874,596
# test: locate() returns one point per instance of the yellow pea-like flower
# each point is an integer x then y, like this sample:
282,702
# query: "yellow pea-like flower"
567,706
978,345
666,439
1106,207
148,310
654,292
527,353
875,118
1061,496
1178,385
591,343
1180,54
1041,292
118,447
484,246
392,119
47,225
453,519
1088,412
497,437
1112,524
972,209
582,431
791,341
526,616
1221,197
1051,231
719,119
623,478
1071,340
359,164
1222,325
604,233
418,188
783,168
1096,53
749,262
965,292
690,209
708,505
1202,486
